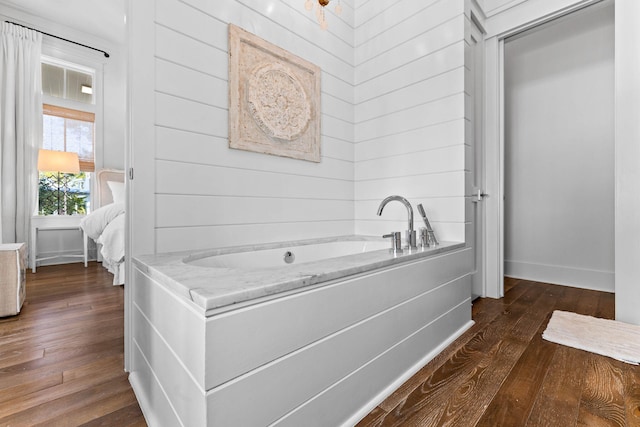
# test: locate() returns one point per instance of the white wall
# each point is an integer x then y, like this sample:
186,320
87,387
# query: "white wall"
627,186
559,151
493,7
410,115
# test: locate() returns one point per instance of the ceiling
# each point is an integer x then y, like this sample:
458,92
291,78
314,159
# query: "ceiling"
101,18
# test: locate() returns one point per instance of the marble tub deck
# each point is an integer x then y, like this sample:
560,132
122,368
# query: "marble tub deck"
220,289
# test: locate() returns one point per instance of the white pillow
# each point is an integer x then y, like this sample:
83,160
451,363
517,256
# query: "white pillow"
117,191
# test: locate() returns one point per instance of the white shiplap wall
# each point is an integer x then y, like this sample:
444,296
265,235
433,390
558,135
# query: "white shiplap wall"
392,123
409,114
494,7
207,195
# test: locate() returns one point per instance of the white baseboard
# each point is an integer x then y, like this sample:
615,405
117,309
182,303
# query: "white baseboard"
561,275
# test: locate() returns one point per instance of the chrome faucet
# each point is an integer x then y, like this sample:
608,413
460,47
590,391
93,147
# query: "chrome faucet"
411,234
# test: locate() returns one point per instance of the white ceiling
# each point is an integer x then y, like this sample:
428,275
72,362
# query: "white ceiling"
101,18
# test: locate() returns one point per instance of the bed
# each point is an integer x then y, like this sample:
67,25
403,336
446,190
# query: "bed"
105,225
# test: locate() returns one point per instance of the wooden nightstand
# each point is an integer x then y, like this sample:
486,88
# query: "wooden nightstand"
41,223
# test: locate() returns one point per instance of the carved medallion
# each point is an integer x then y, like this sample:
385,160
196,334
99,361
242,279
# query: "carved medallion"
277,102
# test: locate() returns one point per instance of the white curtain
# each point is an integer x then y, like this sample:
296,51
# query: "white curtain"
20,129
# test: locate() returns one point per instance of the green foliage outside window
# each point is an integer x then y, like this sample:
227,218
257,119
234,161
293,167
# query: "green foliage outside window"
62,194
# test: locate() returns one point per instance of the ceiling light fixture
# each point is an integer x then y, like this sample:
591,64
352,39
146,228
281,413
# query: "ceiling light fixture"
320,10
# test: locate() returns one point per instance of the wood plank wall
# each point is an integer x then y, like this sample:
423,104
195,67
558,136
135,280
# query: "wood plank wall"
208,195
392,112
409,114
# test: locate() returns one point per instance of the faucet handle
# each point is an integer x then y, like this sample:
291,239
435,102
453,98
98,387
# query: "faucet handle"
424,238
411,240
396,242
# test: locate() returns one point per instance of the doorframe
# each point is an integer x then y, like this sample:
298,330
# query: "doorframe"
478,215
510,22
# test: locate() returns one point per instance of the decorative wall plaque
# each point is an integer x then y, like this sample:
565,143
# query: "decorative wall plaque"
274,99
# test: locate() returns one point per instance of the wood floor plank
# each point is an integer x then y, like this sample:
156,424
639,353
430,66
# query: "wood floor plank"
603,402
558,401
105,404
514,401
491,317
459,370
427,401
67,356
28,382
632,395
129,416
468,401
505,374
44,396
61,358
65,405
512,405
502,399
375,417
485,311
428,370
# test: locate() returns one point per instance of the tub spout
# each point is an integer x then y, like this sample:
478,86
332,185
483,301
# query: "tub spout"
411,234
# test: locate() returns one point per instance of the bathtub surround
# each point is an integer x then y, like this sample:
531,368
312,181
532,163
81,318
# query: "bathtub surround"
393,122
325,340
214,288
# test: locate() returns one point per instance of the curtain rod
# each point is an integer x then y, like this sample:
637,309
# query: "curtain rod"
106,55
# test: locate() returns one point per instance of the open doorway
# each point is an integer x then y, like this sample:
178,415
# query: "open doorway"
559,136
510,23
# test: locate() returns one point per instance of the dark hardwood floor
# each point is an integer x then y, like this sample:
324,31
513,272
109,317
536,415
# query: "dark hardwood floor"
61,363
502,373
61,358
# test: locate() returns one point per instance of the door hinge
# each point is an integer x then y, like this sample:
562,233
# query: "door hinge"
131,173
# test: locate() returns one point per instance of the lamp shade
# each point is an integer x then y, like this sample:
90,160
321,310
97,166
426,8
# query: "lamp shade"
58,161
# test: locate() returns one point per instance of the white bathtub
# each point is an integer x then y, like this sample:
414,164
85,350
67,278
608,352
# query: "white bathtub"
289,255
325,338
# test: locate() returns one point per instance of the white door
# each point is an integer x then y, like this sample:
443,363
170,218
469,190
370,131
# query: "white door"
475,98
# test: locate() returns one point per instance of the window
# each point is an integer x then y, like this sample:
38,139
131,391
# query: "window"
68,125
61,81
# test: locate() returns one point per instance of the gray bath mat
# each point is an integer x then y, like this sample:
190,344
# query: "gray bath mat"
609,338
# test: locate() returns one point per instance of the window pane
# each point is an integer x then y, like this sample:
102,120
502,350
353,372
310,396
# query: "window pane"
64,194
75,82
63,133
80,138
52,80
53,138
